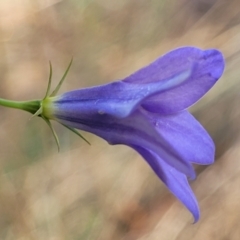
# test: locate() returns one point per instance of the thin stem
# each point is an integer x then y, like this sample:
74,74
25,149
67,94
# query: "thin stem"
29,106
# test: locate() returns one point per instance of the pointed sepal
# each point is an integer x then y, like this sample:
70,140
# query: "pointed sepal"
53,132
76,132
49,81
54,93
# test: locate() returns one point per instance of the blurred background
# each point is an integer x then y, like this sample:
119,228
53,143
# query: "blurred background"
103,192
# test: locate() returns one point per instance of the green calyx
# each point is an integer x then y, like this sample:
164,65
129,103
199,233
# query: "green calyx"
36,107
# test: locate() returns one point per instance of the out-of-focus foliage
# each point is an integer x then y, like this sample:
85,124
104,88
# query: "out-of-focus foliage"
100,191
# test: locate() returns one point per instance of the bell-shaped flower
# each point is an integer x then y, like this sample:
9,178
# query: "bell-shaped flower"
147,112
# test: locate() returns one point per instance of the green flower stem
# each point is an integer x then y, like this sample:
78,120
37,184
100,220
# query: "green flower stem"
29,106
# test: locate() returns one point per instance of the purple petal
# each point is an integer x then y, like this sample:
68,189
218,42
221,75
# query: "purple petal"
209,68
133,130
119,98
186,136
175,181
170,84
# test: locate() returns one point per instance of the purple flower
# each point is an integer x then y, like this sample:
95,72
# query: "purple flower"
147,112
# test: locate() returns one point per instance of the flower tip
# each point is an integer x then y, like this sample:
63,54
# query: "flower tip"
218,60
193,207
196,216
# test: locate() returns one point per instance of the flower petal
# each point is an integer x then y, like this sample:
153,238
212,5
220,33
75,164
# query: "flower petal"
209,68
175,181
186,136
119,98
136,129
